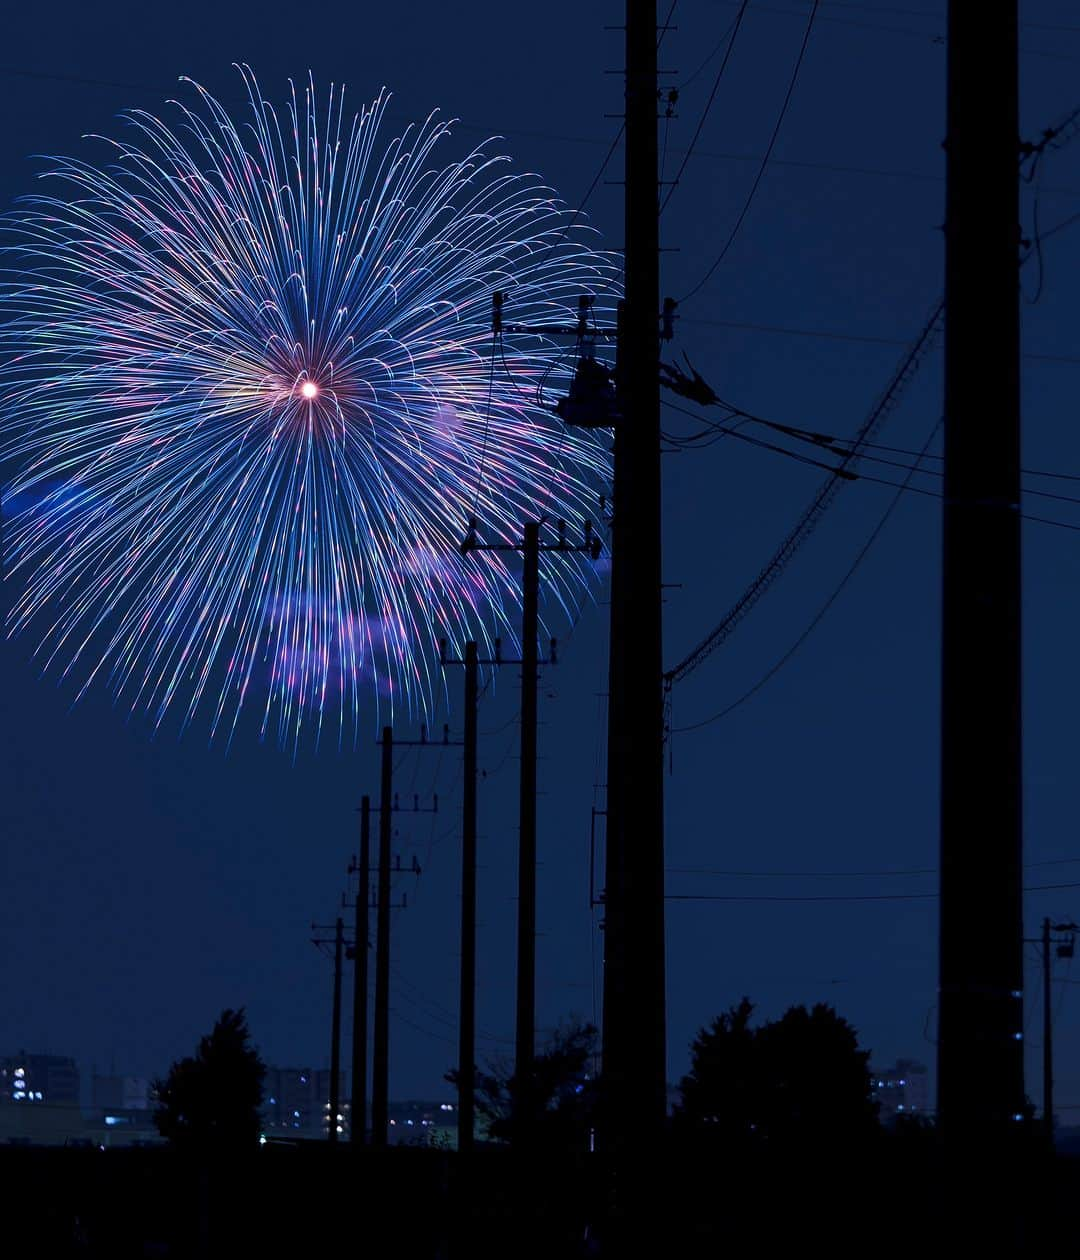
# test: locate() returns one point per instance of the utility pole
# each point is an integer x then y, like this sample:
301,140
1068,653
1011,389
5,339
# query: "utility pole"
525,1004
335,1034
525,1020
360,980
635,1073
338,942
388,804
1066,947
380,1104
980,1047
467,1003
1048,1036
467,998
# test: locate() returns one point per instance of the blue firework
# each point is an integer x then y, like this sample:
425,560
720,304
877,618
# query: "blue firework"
250,400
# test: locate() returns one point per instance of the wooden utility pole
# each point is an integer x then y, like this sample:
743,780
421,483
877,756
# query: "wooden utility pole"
525,1004
360,980
1066,947
467,1011
335,1031
338,942
1048,1035
525,1014
634,978
980,1042
380,1104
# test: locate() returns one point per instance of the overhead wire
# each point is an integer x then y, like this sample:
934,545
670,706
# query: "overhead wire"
731,36
837,445
882,481
690,78
825,897
812,515
823,334
865,874
819,615
764,161
807,523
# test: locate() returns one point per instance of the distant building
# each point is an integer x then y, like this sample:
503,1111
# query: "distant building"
902,1090
322,1082
121,1093
289,1101
39,1078
39,1100
296,1103
122,1112
423,1124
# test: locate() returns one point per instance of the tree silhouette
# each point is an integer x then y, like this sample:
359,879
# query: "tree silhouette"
719,1092
211,1101
562,1097
801,1078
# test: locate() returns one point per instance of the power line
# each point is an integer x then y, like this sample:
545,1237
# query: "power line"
822,334
934,494
938,39
926,896
836,445
734,34
826,443
719,44
878,874
937,16
822,611
765,159
812,515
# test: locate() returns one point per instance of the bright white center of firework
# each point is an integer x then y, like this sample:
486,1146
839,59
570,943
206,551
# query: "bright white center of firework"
309,389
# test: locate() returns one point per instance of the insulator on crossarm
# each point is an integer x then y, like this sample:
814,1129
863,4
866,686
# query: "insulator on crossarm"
667,329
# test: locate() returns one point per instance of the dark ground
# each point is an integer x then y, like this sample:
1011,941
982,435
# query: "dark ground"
320,1202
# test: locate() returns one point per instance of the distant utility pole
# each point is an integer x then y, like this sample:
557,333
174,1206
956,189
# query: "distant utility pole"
525,1007
335,1038
360,979
1066,947
380,1103
634,1040
525,1021
467,999
980,1047
338,942
467,1003
380,1057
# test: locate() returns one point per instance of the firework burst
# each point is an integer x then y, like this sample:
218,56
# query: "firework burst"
250,401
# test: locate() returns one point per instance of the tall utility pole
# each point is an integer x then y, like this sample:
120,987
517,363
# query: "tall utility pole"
980,1047
380,1103
634,979
360,980
467,1011
525,1015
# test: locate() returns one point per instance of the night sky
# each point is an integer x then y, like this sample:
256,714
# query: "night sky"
151,880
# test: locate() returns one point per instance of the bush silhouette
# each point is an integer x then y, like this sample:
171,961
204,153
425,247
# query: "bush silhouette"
211,1100
801,1078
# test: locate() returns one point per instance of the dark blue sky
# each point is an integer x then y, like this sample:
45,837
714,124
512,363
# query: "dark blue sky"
150,881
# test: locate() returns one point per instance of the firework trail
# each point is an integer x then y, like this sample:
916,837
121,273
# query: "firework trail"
249,401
